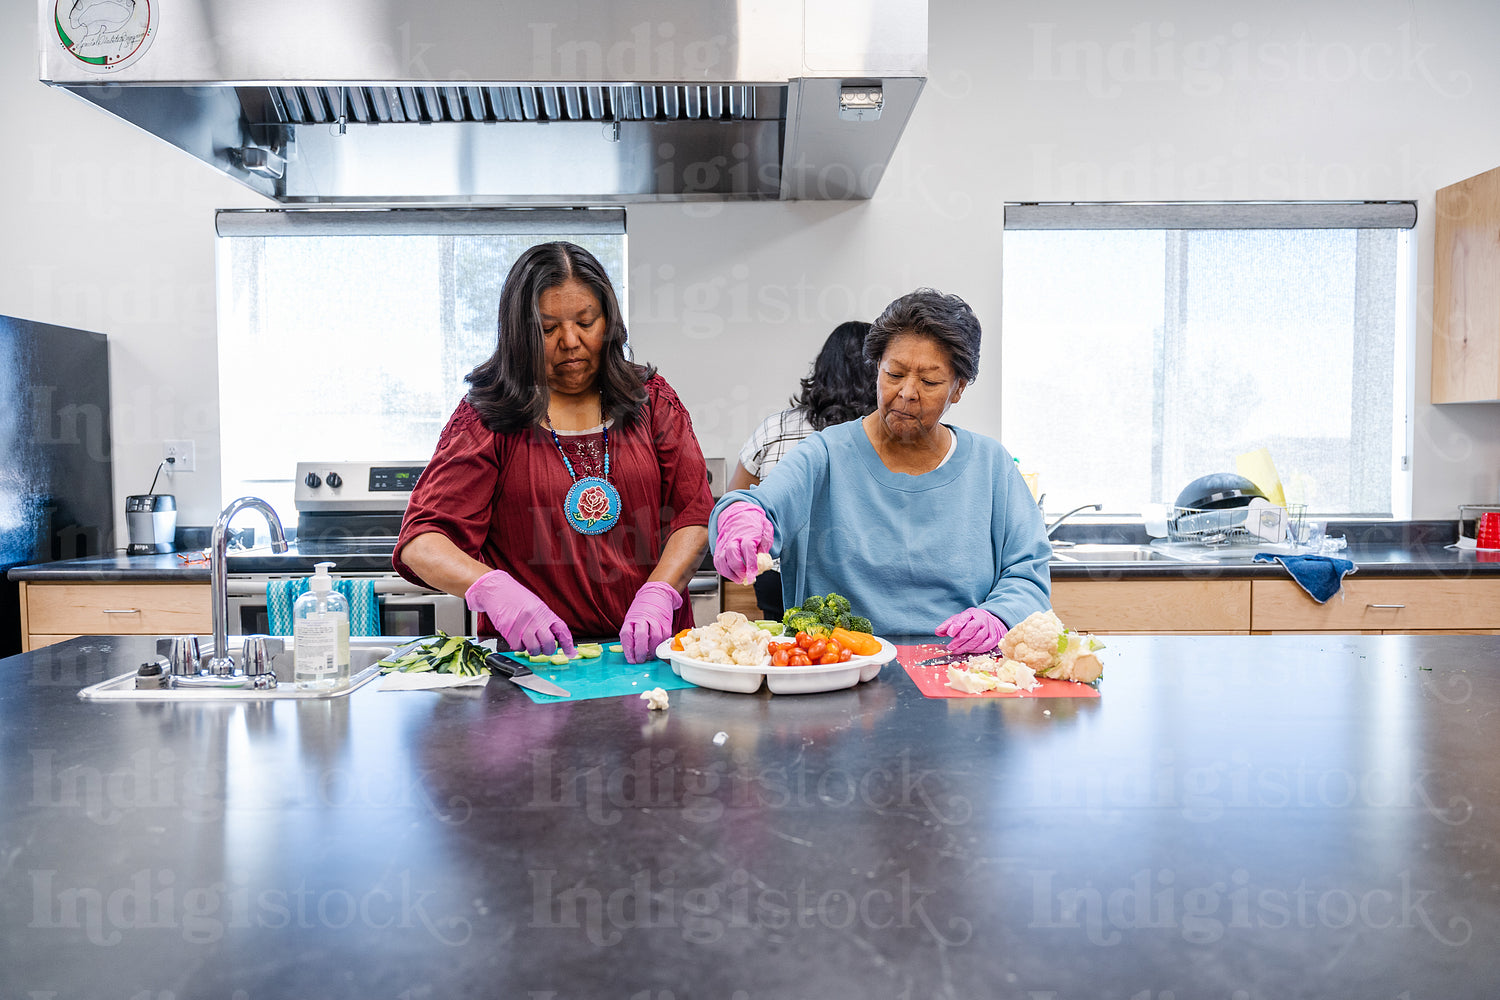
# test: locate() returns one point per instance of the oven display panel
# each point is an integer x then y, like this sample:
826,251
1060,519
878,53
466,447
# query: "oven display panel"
394,478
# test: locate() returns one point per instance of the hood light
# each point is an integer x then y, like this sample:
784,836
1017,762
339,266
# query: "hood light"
860,103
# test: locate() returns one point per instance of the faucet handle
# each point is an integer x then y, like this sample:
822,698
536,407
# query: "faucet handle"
258,652
182,654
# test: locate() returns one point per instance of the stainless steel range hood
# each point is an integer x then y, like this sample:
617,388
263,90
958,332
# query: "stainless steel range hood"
515,102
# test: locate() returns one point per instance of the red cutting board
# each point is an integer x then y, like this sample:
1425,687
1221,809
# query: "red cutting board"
933,681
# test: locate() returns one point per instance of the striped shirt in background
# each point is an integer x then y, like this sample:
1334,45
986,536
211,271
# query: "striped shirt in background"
769,443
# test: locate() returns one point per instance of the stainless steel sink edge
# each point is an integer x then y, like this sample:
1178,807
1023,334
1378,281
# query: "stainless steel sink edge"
122,687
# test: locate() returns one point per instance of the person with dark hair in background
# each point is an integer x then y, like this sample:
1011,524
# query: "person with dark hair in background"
841,387
925,527
567,495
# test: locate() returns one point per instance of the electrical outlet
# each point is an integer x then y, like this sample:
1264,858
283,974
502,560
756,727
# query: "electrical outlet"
183,452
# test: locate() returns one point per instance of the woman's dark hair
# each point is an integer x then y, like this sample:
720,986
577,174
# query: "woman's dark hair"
927,312
842,384
509,389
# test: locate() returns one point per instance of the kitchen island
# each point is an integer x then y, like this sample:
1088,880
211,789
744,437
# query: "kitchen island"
1234,817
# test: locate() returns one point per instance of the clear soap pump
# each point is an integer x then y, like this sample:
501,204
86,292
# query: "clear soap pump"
320,635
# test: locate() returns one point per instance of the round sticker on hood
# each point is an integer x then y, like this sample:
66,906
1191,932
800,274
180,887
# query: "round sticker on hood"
105,35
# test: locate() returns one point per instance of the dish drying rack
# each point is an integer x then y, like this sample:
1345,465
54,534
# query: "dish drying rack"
1255,524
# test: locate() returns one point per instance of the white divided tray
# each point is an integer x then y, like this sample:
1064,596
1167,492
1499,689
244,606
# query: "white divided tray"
781,680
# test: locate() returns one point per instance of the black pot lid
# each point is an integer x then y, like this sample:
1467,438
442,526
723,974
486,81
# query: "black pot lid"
1217,490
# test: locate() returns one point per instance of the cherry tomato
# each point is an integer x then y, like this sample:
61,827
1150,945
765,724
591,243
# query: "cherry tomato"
779,658
833,645
829,657
799,659
816,648
844,655
802,638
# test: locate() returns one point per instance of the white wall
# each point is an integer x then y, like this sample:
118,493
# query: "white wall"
110,230
1095,100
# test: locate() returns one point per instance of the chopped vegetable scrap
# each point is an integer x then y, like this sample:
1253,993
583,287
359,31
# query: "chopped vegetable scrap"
440,653
656,699
979,674
583,651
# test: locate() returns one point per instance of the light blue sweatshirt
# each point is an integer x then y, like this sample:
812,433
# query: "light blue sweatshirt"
908,551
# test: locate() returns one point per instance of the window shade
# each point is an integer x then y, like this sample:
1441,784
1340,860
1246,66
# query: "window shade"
423,222
1213,215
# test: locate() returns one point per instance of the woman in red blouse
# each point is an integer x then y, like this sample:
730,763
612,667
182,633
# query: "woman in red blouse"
568,494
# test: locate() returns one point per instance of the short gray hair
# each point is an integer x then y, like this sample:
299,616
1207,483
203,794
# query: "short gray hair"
926,312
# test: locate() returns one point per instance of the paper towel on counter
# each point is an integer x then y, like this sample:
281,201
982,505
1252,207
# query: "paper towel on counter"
430,681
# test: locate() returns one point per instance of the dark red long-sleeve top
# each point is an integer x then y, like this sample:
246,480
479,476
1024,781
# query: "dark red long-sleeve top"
499,498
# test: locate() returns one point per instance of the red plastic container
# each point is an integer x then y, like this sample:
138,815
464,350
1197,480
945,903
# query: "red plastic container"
1488,534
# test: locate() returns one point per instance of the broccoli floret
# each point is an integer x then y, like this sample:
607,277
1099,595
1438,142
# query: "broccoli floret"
858,624
798,620
839,603
813,604
828,617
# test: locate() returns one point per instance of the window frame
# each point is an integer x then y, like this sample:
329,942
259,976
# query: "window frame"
447,225
1398,215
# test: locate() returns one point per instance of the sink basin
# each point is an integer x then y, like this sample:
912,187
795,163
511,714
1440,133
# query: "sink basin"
1097,553
363,657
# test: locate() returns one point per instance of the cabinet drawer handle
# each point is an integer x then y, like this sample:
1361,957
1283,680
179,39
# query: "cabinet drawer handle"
121,611
1391,607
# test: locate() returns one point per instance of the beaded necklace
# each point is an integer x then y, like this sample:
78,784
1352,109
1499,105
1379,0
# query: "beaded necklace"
592,505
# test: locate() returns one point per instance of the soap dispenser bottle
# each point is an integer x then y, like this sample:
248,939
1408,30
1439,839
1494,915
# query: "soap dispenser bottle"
320,635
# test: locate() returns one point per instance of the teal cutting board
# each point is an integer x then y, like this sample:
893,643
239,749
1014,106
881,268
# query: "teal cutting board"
607,676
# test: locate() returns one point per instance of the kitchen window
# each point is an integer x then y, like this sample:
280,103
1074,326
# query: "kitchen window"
1146,345
347,334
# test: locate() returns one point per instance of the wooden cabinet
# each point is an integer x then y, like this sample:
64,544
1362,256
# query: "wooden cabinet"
1466,291
738,597
52,612
1202,607
1380,604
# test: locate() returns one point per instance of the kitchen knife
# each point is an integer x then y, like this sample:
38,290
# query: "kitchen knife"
954,658
521,674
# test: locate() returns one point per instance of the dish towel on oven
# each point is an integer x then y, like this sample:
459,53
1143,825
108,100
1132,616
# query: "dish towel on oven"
1320,576
364,612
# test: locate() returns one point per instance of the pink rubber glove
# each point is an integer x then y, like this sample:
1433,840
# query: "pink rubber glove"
649,620
523,620
973,631
744,533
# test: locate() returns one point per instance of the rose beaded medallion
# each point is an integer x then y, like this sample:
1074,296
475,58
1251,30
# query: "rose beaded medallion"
592,506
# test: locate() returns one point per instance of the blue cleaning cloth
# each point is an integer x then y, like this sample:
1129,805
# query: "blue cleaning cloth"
364,612
1320,576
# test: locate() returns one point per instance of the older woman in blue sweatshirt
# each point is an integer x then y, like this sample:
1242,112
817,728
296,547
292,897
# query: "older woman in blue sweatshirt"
925,527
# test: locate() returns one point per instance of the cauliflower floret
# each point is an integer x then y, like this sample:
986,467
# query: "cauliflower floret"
1050,648
1034,640
730,639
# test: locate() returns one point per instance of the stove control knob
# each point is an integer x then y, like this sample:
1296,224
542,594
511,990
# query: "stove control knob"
335,480
313,481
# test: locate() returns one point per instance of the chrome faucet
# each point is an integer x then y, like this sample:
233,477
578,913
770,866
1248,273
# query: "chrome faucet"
221,662
1054,525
